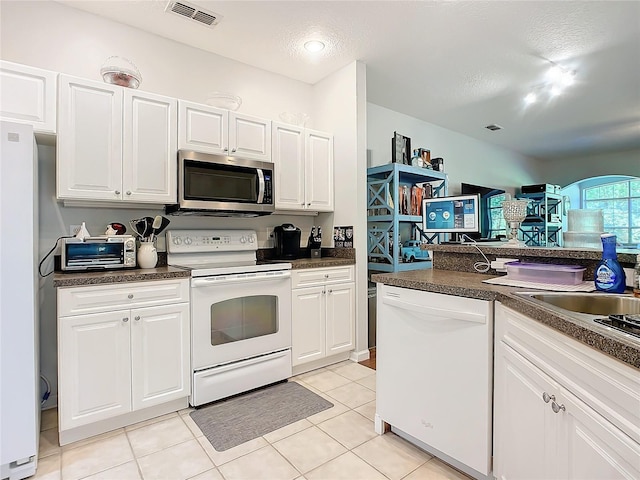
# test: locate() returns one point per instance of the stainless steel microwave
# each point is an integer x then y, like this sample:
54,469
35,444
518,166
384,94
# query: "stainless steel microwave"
99,253
222,185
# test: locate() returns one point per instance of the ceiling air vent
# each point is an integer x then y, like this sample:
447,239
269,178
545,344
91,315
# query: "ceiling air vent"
493,127
197,14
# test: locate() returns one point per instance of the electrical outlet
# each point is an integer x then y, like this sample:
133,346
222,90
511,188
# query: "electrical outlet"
73,229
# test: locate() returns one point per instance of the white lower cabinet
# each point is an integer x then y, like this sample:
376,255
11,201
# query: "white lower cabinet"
121,360
561,409
323,313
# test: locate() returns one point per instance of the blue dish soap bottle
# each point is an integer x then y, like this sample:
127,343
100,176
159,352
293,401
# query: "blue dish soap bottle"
609,275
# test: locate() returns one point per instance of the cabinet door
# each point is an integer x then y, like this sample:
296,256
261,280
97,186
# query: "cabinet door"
591,447
525,430
308,324
341,312
249,137
89,144
160,354
94,366
288,159
202,128
319,171
150,148
28,95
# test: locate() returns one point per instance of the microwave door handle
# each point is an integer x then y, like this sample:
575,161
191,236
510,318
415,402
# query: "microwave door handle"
260,185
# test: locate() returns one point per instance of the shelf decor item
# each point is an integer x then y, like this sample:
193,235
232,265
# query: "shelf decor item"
514,211
147,255
400,149
121,71
224,100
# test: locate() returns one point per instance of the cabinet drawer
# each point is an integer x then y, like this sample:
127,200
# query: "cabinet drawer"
101,298
321,276
608,386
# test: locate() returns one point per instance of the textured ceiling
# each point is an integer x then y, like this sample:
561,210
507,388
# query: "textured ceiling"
458,64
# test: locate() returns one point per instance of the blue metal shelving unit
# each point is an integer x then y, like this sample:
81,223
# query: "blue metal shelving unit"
384,213
543,225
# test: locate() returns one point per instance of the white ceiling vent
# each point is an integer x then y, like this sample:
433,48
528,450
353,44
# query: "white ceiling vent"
197,14
493,127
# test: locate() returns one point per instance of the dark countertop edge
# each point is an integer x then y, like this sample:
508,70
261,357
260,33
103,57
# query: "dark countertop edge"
303,263
624,255
593,336
79,279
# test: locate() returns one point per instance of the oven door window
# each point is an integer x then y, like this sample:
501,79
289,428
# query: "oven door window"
220,183
243,318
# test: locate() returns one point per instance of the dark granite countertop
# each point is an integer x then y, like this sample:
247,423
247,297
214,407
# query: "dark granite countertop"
581,328
78,279
493,248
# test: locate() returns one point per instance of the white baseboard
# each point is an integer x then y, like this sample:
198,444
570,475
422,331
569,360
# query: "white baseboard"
360,356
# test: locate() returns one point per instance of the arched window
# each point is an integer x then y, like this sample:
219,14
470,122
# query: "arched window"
619,199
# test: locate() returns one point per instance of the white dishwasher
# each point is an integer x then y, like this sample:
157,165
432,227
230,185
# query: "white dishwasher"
434,374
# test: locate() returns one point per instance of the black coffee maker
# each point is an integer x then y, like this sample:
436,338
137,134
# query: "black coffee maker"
287,240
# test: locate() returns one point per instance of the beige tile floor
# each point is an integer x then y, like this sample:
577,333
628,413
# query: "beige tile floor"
338,443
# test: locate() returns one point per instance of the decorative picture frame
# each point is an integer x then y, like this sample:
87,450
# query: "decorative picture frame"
400,149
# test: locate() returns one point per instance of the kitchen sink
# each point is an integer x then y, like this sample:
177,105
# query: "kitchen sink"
590,303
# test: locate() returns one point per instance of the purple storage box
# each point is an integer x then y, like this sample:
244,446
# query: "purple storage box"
545,273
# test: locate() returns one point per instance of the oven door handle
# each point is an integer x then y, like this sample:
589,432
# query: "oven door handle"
226,280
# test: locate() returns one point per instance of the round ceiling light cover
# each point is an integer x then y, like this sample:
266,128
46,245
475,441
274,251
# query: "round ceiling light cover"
120,71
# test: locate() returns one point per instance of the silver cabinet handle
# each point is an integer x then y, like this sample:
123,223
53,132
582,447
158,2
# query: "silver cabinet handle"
136,318
330,291
546,397
225,149
117,192
125,319
233,150
128,192
130,296
302,204
556,408
326,275
309,204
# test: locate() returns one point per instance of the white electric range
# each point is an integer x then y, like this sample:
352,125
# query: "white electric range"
240,312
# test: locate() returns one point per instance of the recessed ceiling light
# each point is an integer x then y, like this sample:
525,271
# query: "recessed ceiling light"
314,46
530,98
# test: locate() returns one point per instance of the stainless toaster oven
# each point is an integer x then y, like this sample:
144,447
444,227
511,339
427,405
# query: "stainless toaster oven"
100,253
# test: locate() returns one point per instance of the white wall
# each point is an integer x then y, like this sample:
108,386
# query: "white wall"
568,170
49,35
465,159
340,101
53,36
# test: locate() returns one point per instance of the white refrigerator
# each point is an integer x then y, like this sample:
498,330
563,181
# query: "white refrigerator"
19,369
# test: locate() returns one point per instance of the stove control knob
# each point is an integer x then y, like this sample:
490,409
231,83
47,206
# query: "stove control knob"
177,241
243,239
251,238
188,241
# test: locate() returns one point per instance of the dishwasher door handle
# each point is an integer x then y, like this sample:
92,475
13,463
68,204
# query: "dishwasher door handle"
428,311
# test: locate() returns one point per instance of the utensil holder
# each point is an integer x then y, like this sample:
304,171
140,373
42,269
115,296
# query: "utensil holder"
147,255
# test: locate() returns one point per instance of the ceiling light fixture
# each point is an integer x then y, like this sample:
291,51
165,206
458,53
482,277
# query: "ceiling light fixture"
314,46
558,78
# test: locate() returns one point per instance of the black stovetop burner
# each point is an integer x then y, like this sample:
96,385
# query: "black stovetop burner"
629,323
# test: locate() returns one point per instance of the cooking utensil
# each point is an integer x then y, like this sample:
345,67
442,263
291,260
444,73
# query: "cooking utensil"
148,226
159,224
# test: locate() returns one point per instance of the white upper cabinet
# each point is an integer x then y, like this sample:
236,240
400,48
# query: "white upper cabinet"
214,130
319,164
28,95
115,144
150,146
303,161
288,157
202,128
89,146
